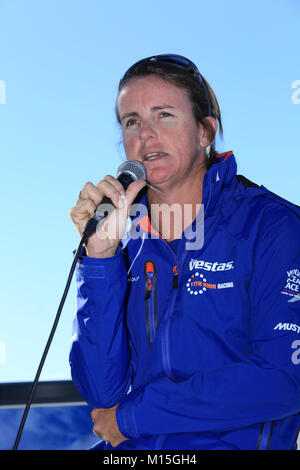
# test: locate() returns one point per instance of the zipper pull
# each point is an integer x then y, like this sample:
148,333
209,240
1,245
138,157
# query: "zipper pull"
149,279
148,293
175,276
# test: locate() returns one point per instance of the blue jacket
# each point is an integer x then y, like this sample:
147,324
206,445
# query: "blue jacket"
201,346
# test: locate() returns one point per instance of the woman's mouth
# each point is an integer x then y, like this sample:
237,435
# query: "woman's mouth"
154,156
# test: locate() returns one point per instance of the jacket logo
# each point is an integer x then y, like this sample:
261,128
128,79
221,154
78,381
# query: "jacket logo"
209,266
133,279
292,285
197,284
287,326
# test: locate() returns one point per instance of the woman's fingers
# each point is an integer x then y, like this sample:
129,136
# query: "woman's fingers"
111,229
111,188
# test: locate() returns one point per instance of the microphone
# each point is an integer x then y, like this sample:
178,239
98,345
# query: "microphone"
127,173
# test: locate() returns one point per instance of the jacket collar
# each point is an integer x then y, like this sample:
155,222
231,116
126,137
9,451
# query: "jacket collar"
219,180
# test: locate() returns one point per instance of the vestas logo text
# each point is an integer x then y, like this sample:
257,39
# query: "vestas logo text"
207,266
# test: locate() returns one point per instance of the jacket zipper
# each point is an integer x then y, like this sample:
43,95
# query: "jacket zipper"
150,300
165,336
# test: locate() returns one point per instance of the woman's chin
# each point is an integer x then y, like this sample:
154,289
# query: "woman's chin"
158,176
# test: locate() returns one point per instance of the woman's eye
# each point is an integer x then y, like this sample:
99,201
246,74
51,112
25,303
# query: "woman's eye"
164,114
131,122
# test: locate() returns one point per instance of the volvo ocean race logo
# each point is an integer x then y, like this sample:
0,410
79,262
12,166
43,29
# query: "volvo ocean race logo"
292,285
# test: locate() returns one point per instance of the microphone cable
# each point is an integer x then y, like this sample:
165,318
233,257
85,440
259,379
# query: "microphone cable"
47,347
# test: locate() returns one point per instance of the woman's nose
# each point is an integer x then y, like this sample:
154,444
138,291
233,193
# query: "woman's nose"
147,130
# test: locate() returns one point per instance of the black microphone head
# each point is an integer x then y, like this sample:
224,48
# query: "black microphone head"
134,169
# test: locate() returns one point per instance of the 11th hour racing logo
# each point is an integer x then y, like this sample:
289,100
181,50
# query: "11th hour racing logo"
199,283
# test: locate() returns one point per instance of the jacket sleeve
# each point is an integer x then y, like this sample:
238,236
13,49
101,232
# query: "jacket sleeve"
264,387
99,355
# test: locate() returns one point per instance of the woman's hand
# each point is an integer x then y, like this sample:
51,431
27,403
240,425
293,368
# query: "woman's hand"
104,242
106,427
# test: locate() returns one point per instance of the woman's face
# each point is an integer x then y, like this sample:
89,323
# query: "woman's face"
159,130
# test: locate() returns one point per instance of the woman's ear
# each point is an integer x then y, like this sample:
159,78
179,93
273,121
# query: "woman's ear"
208,131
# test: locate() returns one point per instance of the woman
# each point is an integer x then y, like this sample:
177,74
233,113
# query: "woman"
177,345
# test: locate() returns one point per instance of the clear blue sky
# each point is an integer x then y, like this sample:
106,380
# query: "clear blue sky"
60,61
